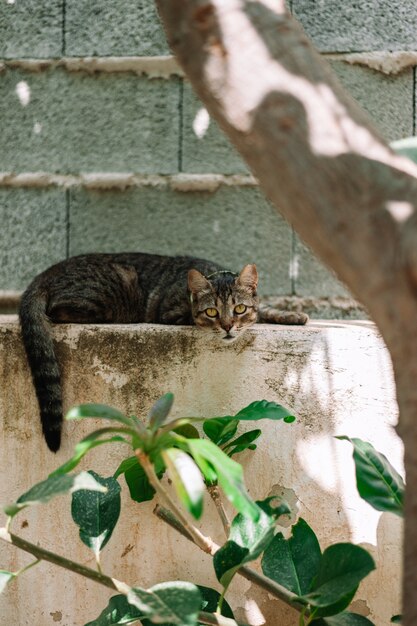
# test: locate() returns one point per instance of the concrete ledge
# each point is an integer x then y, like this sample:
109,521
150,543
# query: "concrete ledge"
335,376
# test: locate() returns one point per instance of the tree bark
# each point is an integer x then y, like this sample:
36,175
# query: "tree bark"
324,167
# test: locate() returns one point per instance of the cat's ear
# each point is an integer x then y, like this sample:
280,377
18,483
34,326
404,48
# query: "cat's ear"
197,282
248,277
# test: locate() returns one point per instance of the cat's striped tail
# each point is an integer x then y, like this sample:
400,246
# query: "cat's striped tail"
37,340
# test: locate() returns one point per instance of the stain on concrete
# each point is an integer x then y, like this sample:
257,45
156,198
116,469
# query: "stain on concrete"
56,616
128,549
109,374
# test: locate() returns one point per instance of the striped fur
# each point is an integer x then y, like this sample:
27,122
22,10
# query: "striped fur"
128,288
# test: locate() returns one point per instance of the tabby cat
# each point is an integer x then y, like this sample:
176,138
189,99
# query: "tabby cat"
129,288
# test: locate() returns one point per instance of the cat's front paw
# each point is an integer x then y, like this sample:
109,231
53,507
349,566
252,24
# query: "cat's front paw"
293,318
271,315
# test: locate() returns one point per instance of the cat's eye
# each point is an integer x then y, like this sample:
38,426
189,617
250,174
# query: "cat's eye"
211,312
240,308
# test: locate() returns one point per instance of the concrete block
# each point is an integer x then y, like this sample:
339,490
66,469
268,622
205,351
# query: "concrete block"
205,147
29,28
336,26
65,122
109,27
335,376
311,277
232,226
32,235
387,99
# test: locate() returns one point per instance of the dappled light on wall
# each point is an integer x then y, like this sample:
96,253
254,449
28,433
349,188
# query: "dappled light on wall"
23,92
201,123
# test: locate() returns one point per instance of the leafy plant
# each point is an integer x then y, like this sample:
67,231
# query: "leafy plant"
319,584
377,481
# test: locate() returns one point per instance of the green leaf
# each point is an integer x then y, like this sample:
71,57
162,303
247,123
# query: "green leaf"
396,619
262,409
102,411
242,443
342,568
406,147
229,474
140,488
210,600
208,471
337,607
377,481
177,603
343,619
187,430
97,513
118,611
54,486
126,465
247,540
187,480
85,445
220,429
160,411
5,577
274,510
293,562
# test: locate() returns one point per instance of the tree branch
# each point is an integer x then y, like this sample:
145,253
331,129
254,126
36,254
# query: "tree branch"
324,167
314,152
45,555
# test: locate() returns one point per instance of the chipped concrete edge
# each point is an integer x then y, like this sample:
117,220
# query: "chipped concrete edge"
102,181
381,61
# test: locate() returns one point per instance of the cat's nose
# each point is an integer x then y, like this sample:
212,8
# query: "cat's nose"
227,326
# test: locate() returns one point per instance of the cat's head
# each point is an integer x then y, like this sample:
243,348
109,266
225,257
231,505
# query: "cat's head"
224,303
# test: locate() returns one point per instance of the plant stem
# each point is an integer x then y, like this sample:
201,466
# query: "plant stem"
112,583
276,590
204,543
25,569
45,555
215,495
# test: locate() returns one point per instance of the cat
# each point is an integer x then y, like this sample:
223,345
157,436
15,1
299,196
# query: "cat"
128,288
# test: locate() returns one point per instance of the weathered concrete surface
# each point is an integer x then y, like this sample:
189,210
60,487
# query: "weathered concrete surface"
335,376
108,27
32,234
63,122
30,28
352,26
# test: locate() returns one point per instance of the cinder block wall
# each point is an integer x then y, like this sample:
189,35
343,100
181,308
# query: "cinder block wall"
99,131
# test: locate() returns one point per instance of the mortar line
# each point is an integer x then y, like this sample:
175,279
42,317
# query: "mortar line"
414,98
64,25
181,124
67,223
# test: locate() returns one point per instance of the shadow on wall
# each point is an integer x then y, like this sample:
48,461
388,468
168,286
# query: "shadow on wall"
335,377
